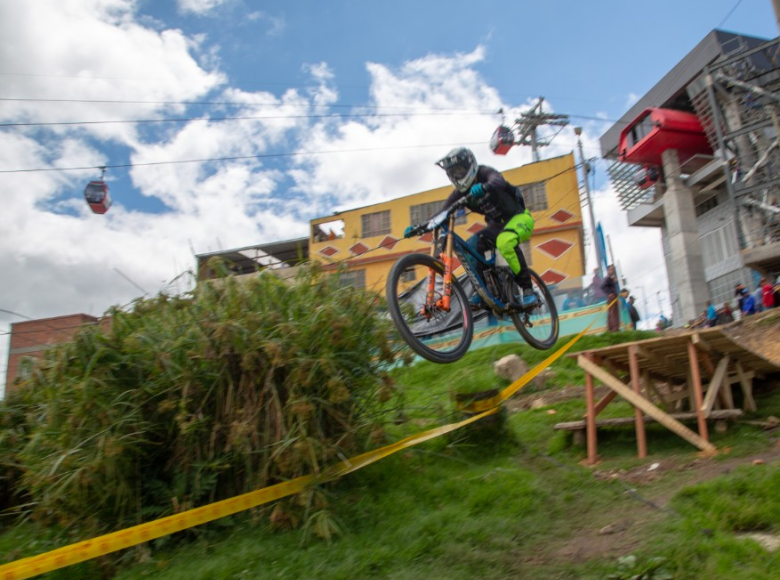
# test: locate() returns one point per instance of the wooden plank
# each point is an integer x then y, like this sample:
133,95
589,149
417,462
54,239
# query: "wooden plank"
638,401
663,362
605,400
651,388
747,388
715,385
641,437
590,415
732,379
696,385
622,421
700,343
726,395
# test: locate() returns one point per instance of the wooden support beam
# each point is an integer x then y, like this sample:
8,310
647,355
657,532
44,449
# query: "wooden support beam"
715,385
725,393
593,370
705,359
605,400
747,388
696,386
639,423
651,388
700,343
590,415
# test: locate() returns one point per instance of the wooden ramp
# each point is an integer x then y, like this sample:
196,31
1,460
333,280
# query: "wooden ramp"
670,379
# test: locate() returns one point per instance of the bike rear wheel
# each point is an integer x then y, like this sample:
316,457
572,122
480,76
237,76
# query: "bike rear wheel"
435,334
538,325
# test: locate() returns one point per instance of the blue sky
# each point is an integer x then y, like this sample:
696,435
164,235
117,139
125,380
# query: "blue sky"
377,90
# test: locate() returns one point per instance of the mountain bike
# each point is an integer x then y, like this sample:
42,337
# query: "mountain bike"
435,319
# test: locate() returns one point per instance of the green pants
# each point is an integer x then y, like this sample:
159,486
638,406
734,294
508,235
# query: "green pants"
516,230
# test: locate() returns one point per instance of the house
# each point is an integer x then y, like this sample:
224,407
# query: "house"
369,240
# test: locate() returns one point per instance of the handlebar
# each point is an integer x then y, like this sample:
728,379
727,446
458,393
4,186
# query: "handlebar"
440,218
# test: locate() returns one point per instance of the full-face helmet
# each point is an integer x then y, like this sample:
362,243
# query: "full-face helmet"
461,167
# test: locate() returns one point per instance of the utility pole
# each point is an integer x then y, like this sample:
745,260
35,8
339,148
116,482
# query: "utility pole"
776,4
528,122
586,172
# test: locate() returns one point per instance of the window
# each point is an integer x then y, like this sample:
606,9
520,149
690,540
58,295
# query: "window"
718,245
641,130
721,289
376,224
535,195
409,275
707,205
354,278
424,211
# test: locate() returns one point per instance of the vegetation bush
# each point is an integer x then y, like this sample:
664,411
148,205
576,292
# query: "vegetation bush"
185,400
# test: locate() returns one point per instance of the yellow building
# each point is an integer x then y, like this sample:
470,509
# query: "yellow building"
372,239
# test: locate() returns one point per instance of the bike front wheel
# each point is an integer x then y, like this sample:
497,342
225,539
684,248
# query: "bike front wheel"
436,334
538,325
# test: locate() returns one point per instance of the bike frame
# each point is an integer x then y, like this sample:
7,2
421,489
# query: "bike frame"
455,244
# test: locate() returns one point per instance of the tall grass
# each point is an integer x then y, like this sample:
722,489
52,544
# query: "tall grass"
187,400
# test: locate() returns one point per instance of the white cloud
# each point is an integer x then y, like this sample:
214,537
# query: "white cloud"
276,24
199,7
58,258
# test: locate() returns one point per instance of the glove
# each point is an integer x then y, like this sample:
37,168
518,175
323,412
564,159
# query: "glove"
477,191
409,232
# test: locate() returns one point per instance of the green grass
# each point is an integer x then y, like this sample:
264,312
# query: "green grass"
469,506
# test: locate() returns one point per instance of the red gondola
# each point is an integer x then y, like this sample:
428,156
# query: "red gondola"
97,196
655,130
502,140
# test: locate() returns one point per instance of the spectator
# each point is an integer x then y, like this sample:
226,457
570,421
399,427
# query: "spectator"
609,286
747,302
725,315
758,297
767,294
777,292
712,315
633,313
739,291
598,293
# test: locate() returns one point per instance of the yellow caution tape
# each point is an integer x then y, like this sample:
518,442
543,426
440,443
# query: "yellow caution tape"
115,541
484,404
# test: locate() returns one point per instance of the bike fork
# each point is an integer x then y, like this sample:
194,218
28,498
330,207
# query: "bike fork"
443,303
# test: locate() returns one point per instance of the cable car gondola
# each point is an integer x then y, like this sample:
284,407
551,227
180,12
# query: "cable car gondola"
97,195
502,140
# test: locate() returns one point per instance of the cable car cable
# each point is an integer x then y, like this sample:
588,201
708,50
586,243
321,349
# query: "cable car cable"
235,158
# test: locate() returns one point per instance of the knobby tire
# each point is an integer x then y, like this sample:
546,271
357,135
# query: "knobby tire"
548,338
461,343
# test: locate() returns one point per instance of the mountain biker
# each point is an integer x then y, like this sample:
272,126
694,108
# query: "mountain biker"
508,222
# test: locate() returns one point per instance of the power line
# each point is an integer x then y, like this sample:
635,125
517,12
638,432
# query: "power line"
234,158
411,111
722,22
243,118
227,103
